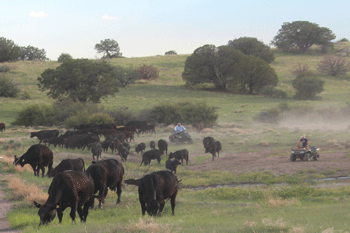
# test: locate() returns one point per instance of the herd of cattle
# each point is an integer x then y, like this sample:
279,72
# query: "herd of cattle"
73,186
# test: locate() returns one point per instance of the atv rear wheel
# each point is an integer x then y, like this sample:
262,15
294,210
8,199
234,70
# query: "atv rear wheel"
307,157
293,158
316,157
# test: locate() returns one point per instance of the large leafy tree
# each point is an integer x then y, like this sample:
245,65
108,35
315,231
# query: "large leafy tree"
32,53
299,36
9,51
109,47
79,79
210,64
252,46
253,73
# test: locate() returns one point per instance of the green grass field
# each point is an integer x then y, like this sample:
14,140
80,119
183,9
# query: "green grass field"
288,203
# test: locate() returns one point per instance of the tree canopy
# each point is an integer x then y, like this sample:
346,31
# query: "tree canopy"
32,53
79,79
252,46
63,57
210,64
252,73
299,36
109,47
9,51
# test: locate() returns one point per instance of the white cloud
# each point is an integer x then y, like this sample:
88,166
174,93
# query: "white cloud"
38,14
107,17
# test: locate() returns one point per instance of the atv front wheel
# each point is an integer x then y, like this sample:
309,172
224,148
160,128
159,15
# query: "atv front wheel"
307,157
293,158
316,157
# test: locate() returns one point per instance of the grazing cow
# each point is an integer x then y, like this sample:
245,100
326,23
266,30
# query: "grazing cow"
107,173
152,144
172,164
154,189
136,124
44,134
149,155
180,155
127,145
163,146
140,147
96,150
38,156
123,152
68,189
2,127
68,164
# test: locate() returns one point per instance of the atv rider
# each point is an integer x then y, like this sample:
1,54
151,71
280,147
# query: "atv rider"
179,128
305,142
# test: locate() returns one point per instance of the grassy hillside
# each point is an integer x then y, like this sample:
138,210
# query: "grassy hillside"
170,87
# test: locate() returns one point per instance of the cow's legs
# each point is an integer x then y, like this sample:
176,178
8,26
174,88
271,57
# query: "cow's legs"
73,211
42,170
60,215
119,191
81,214
172,201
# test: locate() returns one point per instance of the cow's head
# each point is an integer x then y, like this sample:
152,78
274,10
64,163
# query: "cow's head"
32,134
19,161
47,212
153,207
171,155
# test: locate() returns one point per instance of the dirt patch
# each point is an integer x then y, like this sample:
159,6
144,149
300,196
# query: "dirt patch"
261,161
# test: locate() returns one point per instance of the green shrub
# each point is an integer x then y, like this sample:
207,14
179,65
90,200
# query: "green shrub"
8,88
26,95
344,40
64,57
308,87
101,118
148,72
185,112
35,115
122,115
82,117
12,145
271,91
4,68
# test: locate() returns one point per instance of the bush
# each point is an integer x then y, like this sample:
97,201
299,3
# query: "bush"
63,57
122,115
344,40
8,88
101,118
271,91
308,87
4,68
171,52
35,115
185,112
148,72
26,95
270,116
334,66
12,145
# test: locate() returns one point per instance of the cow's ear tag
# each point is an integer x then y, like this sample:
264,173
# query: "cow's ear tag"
22,160
57,206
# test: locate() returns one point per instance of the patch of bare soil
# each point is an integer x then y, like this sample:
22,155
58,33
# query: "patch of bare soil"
261,161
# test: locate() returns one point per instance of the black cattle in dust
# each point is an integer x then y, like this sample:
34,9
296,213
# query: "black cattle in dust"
140,148
107,173
154,189
2,127
72,189
163,146
180,155
44,134
150,155
136,124
68,164
96,150
215,148
123,152
172,164
152,144
38,156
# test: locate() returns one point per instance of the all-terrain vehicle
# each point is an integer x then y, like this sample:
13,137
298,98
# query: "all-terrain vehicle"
306,155
180,138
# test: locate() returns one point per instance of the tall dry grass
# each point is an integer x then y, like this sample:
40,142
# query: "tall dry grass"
18,168
30,192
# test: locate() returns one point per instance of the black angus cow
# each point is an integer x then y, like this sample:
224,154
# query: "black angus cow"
150,155
214,148
154,189
147,128
72,189
123,152
44,134
218,147
207,143
96,150
127,145
152,144
38,156
180,155
2,127
107,173
140,147
68,164
163,146
172,164
136,124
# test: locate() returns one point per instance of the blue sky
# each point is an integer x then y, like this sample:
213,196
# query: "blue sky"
149,28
